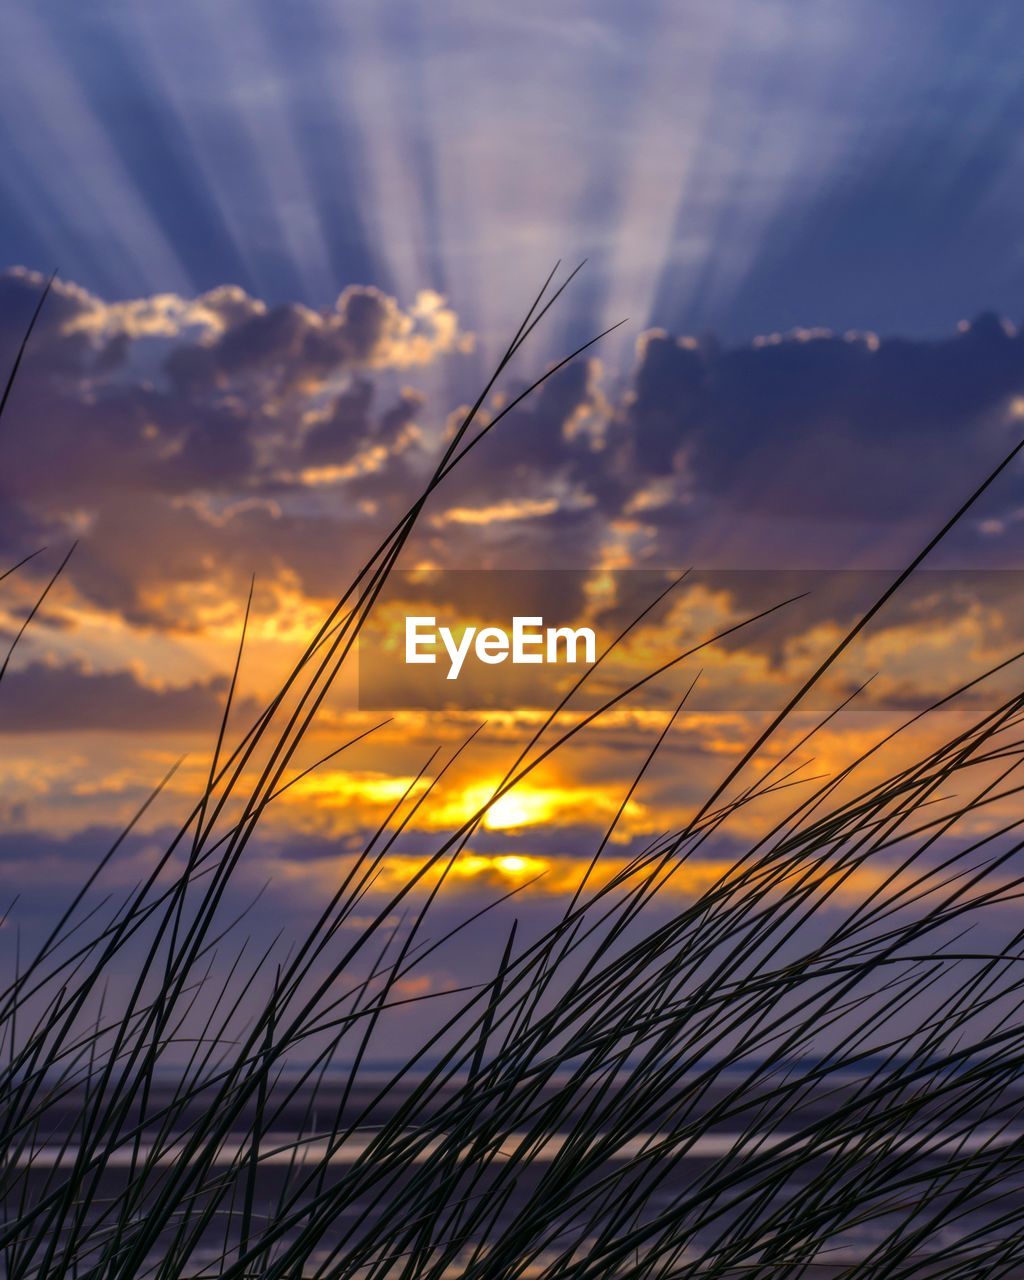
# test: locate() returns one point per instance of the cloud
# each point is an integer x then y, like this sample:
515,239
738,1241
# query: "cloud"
808,448
349,428
42,697
184,439
225,333
296,346
820,425
541,487
189,442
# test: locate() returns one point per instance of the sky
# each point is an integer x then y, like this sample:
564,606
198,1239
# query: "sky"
290,242
734,167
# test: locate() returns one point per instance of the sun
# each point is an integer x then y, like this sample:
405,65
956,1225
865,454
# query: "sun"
520,809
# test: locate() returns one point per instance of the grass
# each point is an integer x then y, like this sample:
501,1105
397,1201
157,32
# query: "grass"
566,1119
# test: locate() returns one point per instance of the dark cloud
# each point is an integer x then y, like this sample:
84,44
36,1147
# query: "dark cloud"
189,442
291,345
351,427
823,426
43,696
541,441
173,435
55,346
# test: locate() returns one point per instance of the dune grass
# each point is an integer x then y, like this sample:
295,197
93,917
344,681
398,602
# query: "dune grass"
627,1094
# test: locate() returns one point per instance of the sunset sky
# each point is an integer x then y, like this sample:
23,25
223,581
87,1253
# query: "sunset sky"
291,240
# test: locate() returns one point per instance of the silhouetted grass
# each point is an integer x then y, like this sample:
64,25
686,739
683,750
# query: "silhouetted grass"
725,1092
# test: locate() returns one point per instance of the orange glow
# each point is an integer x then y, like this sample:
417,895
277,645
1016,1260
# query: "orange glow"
519,808
337,789
530,806
564,875
570,801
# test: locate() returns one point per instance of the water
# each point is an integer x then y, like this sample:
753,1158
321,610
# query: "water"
288,1156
